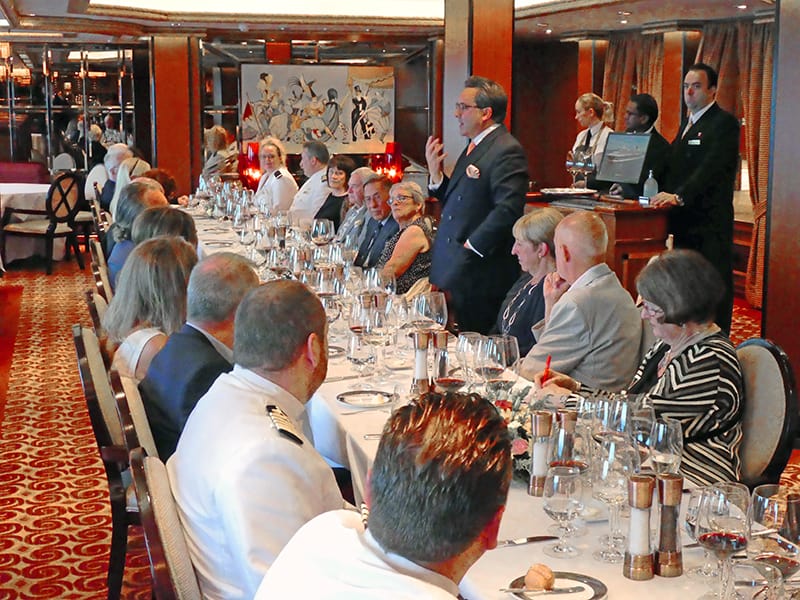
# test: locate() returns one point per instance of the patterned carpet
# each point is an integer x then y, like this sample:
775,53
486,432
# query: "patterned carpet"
55,525
54,520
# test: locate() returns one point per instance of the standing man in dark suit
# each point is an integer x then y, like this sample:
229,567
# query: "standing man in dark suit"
381,225
700,181
193,358
481,201
640,117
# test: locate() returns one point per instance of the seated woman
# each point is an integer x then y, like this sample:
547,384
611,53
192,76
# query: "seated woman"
220,157
150,302
339,169
277,187
691,373
407,254
523,306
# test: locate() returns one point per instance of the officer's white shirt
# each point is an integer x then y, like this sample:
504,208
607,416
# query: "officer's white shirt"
242,487
278,189
333,556
310,197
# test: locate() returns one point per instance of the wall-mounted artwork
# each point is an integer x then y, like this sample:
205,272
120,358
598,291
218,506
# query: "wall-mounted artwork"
349,109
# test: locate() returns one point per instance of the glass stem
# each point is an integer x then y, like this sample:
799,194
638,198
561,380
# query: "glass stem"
613,524
727,591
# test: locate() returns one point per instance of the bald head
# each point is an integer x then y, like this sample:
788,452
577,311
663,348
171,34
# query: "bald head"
581,240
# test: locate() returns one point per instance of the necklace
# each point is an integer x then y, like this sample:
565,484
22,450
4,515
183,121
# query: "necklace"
687,339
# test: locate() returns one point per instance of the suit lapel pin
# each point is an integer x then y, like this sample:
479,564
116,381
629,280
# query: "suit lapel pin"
473,172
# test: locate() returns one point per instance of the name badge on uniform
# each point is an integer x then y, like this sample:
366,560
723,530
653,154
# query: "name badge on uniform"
695,142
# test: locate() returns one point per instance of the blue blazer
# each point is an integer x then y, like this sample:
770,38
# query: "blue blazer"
370,259
179,375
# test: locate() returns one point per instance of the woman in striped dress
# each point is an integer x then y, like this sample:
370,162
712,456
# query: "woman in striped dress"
691,373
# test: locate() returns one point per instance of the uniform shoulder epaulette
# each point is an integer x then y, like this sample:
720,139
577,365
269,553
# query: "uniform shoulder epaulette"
278,174
281,422
324,179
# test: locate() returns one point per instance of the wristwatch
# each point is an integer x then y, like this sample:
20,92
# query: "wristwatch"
678,200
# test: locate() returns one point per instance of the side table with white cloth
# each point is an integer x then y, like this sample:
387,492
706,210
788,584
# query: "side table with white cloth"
339,434
30,196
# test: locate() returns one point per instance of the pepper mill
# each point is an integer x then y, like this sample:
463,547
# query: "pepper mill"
638,563
669,557
541,428
420,384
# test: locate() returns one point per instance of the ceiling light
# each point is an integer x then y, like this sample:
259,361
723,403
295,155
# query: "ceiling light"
741,6
623,21
548,31
624,13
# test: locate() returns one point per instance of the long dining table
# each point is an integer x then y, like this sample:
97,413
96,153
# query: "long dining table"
347,435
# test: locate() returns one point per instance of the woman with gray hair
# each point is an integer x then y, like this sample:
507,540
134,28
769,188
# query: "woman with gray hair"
150,302
129,169
523,306
407,254
277,187
692,373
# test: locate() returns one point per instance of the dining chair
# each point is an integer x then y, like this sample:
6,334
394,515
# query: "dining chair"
107,430
171,567
97,306
63,203
102,279
63,162
770,413
136,430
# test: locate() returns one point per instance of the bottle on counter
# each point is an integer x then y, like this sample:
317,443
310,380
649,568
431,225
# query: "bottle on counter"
650,186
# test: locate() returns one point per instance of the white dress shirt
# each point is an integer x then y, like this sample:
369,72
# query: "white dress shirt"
310,197
597,143
336,558
242,486
276,189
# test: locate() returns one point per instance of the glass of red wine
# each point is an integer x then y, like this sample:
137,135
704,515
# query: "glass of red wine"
775,537
723,528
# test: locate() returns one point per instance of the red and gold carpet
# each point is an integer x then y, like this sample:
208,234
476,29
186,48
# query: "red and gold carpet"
55,525
54,520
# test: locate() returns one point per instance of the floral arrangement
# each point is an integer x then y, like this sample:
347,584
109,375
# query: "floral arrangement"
515,409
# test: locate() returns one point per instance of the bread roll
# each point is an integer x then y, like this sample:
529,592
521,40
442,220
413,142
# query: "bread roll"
539,577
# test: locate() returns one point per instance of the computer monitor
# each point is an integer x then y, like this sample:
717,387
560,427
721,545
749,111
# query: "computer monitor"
623,159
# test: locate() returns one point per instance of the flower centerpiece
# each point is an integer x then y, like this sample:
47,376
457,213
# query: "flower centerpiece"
514,407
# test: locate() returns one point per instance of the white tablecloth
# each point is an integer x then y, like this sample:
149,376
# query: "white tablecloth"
31,196
339,435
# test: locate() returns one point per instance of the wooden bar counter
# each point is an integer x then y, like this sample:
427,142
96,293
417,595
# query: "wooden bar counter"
634,233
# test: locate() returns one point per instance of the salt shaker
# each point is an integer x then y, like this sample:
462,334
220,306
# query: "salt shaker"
669,558
541,427
638,563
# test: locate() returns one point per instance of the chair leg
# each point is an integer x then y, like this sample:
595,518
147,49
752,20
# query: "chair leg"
78,255
119,548
49,252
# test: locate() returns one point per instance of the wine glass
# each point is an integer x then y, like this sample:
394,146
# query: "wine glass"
613,464
360,355
429,311
322,231
666,445
447,377
466,352
723,527
568,448
776,528
708,571
377,281
563,501
490,364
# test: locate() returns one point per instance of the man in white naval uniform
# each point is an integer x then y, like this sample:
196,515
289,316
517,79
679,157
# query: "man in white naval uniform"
437,492
245,475
311,196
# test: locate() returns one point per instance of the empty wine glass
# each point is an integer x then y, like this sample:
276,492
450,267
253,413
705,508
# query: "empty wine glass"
666,445
377,281
360,354
723,527
322,231
776,528
563,501
466,352
613,464
568,448
429,311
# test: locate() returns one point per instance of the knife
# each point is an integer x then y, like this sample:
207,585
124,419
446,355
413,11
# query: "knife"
566,590
526,540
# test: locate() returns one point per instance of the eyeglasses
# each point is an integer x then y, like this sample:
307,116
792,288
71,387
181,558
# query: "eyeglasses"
461,107
650,310
400,198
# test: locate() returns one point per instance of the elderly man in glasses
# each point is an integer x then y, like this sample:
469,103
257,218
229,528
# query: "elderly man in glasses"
481,200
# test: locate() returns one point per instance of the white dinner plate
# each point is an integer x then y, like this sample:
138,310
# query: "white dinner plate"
366,398
594,589
568,191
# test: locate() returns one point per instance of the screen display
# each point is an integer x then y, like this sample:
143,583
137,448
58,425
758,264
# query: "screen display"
623,159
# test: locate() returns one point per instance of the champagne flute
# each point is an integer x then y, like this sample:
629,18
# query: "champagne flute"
563,501
666,445
612,466
723,527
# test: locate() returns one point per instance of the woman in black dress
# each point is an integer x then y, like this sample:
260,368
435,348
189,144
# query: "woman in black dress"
339,169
